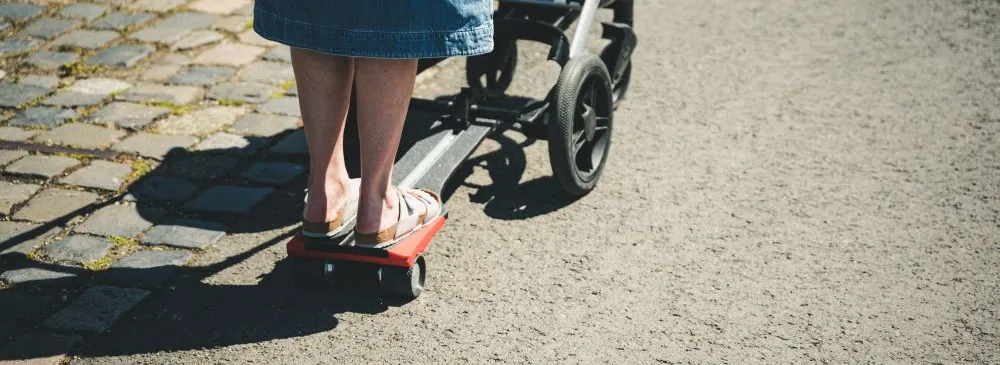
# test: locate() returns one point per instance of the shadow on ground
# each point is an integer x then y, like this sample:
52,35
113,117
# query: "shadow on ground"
187,313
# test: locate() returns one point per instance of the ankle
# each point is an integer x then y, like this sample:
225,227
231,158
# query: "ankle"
325,199
379,212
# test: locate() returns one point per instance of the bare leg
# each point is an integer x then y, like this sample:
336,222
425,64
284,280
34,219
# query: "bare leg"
383,90
324,83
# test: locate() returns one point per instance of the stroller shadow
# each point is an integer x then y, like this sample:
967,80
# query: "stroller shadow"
189,312
507,198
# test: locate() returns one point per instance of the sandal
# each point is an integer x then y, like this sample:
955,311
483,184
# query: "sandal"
342,222
416,208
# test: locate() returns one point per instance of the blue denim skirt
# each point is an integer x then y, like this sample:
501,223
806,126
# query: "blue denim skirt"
379,28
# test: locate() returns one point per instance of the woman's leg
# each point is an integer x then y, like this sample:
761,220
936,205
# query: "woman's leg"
324,83
383,91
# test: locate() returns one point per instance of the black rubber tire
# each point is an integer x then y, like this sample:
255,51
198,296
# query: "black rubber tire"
308,273
497,66
404,283
581,71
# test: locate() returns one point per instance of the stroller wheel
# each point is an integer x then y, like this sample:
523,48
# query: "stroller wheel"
493,71
581,123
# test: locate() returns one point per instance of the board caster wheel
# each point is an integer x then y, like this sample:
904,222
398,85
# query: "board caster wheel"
312,273
403,283
580,125
495,68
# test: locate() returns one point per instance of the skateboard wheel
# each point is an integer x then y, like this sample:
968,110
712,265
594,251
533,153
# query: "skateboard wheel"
403,283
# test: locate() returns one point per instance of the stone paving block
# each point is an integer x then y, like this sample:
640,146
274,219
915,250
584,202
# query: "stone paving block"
123,220
158,188
47,28
128,115
13,95
81,135
153,145
263,125
188,20
267,72
118,21
12,194
54,203
38,348
197,39
156,5
96,310
88,39
202,166
50,60
42,116
247,92
229,55
203,76
165,67
146,268
45,81
13,47
121,56
160,35
78,249
185,233
218,6
177,95
113,2
40,276
230,144
201,122
85,11
15,134
292,144
99,175
87,92
251,37
280,53
8,156
24,237
274,172
40,165
17,305
19,11
283,106
229,199
232,24
159,72
246,10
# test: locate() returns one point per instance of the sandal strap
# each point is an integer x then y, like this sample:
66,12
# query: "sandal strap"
415,207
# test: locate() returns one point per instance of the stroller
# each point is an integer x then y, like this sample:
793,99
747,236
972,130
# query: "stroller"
575,119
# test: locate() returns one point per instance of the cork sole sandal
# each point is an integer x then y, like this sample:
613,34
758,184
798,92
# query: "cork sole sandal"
342,222
416,208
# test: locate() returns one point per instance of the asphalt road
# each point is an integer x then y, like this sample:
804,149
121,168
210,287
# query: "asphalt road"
791,181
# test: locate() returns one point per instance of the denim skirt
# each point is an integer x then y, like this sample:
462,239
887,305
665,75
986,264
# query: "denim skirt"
379,28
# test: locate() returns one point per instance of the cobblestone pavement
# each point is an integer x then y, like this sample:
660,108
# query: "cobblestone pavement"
132,130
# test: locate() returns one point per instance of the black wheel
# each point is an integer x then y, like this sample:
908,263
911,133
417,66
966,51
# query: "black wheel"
496,68
620,82
311,273
580,124
404,283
